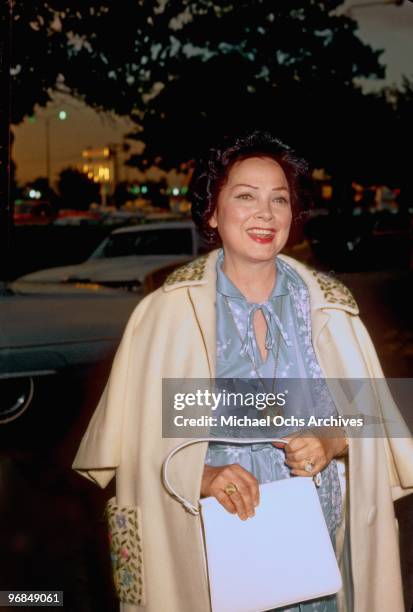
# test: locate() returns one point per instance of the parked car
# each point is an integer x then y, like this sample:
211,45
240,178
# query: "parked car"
56,352
127,255
52,336
118,218
368,241
75,221
33,212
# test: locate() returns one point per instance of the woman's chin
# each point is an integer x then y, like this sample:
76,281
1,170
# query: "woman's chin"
262,255
264,252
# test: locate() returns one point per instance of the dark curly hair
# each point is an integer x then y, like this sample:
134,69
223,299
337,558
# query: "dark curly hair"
212,172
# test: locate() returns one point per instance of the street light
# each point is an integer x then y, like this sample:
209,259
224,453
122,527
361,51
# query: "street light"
62,116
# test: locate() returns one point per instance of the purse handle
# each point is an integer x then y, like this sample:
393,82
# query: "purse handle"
185,502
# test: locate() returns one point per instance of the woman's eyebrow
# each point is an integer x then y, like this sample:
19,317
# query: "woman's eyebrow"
282,188
244,185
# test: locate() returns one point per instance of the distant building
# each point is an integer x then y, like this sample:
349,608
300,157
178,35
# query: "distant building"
99,166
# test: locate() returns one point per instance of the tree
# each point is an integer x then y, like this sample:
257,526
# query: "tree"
6,168
72,45
398,140
289,67
121,194
189,71
46,191
76,46
76,190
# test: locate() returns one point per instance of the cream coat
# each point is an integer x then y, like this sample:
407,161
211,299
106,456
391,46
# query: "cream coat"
171,334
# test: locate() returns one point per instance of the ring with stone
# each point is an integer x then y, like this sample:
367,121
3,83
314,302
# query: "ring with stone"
309,465
230,489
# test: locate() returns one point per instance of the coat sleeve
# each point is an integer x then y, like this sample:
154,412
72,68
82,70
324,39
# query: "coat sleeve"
399,449
99,453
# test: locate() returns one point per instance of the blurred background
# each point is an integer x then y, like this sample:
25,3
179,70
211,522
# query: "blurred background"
105,106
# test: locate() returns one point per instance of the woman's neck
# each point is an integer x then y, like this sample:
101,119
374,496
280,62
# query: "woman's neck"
255,280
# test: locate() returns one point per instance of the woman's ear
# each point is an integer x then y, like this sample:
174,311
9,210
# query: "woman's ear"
212,222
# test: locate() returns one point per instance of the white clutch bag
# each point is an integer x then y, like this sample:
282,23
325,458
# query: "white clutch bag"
281,556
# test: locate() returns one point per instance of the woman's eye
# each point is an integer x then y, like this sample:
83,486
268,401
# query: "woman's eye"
281,200
244,196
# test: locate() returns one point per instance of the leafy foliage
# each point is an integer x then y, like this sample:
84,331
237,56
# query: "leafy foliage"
47,192
189,71
76,190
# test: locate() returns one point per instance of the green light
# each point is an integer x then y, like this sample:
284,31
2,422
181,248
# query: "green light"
144,189
31,119
135,190
62,115
184,190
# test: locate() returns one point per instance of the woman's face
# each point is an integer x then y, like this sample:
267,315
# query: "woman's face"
253,213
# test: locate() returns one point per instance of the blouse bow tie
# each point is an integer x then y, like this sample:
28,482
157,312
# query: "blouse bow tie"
273,322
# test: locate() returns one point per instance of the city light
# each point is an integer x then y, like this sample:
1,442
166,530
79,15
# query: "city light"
144,189
62,115
175,191
103,173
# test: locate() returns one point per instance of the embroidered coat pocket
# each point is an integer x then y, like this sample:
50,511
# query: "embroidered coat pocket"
125,539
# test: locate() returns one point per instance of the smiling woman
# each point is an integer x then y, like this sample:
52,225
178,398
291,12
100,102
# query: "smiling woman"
247,313
253,218
213,175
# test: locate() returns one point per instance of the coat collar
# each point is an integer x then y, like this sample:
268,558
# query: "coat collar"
326,291
199,276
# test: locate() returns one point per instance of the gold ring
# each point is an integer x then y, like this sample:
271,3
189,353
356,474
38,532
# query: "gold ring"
309,465
230,489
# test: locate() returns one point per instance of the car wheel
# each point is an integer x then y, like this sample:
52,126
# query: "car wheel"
17,394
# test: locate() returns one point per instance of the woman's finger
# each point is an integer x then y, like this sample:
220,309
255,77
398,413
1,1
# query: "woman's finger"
310,449
300,465
225,501
282,444
252,484
237,497
239,502
243,498
298,469
246,494
296,472
310,454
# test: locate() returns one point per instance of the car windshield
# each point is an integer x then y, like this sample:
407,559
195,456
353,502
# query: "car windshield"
147,242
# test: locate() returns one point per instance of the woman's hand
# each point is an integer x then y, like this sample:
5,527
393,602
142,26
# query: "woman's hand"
243,500
302,449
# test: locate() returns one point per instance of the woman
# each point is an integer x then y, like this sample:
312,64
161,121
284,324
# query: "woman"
245,311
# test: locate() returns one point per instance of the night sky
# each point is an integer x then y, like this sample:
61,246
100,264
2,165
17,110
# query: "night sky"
387,27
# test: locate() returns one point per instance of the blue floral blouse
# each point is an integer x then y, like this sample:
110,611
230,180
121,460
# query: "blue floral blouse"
290,355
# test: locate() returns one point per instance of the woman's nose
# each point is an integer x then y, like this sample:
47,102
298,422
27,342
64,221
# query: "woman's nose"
264,211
